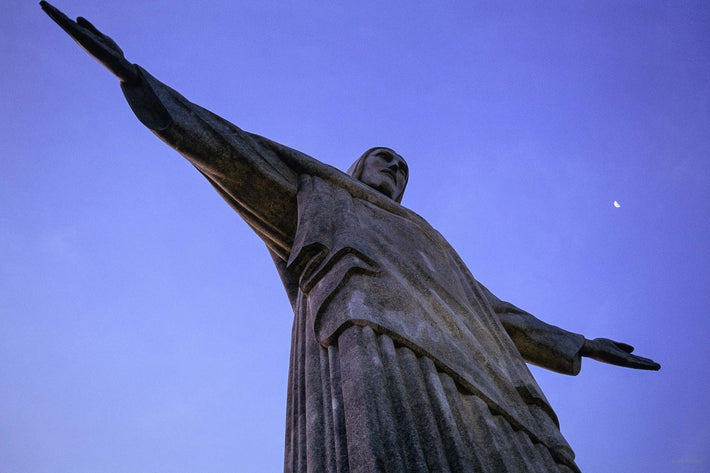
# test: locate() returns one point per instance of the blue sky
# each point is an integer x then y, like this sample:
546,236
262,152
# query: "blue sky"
143,325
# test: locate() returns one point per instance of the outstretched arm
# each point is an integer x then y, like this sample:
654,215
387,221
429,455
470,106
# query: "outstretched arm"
254,175
556,349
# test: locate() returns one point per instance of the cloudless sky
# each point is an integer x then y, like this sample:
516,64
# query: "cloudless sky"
143,327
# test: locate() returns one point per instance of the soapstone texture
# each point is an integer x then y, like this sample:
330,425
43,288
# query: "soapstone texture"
400,360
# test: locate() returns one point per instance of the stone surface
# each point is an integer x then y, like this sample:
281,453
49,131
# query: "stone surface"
400,359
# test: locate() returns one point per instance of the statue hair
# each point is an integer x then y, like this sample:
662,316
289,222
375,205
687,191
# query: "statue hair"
355,170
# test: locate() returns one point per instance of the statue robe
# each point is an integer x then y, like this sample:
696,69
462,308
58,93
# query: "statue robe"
399,361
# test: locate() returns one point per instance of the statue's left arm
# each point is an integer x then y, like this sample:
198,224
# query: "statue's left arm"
556,349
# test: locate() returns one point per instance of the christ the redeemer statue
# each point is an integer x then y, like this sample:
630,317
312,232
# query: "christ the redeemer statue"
400,360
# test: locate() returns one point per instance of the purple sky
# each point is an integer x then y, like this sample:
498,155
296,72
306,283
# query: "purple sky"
142,325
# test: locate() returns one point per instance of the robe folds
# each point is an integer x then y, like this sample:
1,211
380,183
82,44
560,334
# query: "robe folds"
399,361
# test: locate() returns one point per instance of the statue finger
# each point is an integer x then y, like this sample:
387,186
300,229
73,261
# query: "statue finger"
88,25
58,17
624,346
642,363
644,360
50,9
83,22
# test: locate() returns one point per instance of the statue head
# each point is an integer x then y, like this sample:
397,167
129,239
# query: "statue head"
382,169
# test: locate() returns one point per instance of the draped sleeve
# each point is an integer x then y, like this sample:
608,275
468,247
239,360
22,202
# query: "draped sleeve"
254,175
539,343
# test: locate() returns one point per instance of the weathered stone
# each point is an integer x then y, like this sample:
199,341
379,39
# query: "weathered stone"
401,361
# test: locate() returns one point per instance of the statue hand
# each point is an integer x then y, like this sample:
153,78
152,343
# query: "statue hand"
100,46
616,353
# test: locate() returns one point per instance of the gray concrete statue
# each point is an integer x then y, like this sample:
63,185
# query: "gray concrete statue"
400,360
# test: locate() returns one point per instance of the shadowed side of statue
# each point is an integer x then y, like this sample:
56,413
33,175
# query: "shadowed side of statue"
401,361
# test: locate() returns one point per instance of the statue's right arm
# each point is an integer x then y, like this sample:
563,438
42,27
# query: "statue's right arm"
256,176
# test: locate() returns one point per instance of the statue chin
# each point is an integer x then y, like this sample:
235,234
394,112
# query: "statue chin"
386,190
382,186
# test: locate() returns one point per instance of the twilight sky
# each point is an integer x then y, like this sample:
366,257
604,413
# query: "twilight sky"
142,325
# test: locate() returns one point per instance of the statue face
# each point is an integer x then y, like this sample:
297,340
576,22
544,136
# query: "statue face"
386,172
